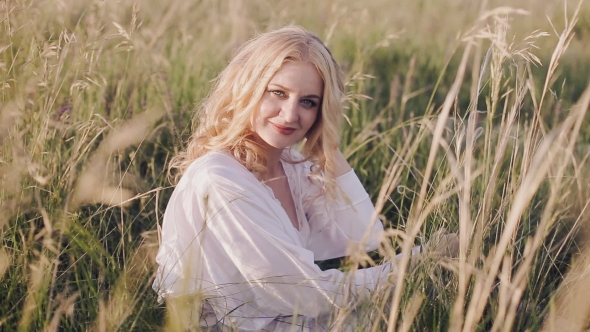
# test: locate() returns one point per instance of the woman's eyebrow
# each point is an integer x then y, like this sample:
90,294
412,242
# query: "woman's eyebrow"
287,89
312,96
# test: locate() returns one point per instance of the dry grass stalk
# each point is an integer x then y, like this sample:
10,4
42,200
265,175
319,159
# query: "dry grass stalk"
4,262
572,308
39,279
94,185
413,222
127,291
542,161
410,312
65,308
564,41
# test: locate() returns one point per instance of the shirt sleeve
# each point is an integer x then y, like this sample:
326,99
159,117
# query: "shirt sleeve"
335,225
281,273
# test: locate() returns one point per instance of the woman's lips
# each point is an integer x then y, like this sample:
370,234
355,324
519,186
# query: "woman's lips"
282,129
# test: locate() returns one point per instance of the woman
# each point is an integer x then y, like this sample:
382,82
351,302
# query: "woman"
250,214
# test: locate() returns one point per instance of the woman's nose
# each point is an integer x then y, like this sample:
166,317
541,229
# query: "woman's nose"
289,111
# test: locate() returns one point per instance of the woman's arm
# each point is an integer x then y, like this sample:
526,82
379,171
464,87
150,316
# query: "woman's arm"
336,224
342,165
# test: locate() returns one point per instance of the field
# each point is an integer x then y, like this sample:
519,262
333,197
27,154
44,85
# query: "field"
464,115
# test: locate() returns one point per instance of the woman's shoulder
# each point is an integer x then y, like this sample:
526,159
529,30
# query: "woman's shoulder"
215,173
214,165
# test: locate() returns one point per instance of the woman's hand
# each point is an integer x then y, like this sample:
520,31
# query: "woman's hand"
443,244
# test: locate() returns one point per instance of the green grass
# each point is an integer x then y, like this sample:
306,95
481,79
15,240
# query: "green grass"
96,97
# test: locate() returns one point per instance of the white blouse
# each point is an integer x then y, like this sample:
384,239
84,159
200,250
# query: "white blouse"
226,237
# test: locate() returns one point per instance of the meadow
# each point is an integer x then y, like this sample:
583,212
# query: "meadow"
464,115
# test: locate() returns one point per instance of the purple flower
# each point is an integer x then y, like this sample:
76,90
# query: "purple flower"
64,109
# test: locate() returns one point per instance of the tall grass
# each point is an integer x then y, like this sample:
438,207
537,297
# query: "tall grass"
474,122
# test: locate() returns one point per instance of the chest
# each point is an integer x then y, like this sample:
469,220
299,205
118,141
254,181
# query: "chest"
283,193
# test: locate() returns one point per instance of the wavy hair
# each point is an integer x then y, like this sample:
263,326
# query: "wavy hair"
225,116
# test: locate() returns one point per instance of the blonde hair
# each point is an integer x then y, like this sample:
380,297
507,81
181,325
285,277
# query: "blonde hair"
225,116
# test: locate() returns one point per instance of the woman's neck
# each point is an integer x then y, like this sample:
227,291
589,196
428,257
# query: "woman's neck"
273,163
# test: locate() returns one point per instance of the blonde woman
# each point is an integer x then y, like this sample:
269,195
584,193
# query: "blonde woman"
250,214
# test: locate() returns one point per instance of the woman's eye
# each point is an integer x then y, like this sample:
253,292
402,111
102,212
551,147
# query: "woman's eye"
278,93
309,103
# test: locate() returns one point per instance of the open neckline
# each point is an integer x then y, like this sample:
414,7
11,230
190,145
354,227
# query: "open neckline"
288,168
296,223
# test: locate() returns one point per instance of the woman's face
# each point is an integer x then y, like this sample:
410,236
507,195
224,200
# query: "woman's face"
289,106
